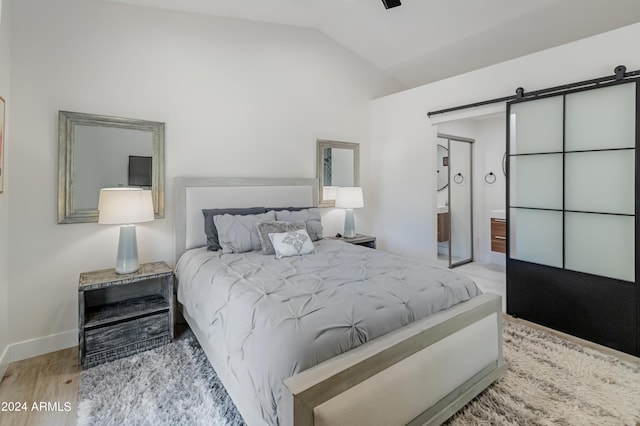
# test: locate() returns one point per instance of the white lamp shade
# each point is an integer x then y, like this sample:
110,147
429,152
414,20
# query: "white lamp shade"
349,197
120,206
329,192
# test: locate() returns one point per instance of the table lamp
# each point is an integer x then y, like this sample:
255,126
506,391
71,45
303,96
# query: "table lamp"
329,193
125,206
349,198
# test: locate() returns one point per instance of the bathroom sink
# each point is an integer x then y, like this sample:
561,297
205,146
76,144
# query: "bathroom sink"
498,214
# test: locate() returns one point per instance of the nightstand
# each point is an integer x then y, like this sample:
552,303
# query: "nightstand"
359,240
120,315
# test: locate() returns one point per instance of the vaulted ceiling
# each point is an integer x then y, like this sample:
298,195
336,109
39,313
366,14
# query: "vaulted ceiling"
426,40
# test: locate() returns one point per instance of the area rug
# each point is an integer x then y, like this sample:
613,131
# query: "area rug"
550,381
170,385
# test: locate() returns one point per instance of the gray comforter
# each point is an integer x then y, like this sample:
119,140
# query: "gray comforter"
274,317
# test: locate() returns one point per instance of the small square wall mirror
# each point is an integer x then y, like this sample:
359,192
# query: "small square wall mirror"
97,151
338,164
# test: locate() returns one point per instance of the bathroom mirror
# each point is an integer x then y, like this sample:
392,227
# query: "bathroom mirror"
443,167
97,151
338,164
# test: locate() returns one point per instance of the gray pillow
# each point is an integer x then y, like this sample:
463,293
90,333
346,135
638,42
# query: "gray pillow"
210,228
291,209
311,218
237,233
266,228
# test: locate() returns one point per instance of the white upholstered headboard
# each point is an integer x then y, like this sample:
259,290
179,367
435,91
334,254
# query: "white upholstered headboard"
191,195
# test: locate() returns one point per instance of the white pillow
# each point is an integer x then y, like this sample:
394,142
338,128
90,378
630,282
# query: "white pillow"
292,243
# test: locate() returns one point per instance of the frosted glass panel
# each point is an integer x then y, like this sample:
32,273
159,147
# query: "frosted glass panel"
601,181
536,126
600,245
536,181
536,236
601,118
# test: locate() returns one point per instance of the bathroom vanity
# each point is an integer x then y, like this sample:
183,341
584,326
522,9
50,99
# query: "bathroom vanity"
443,224
498,231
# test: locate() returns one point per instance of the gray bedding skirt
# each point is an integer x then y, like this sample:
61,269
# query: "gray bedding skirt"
273,318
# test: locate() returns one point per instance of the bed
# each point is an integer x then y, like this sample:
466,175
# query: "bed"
320,339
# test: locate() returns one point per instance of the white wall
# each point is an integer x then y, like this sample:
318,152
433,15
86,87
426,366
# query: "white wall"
238,98
490,147
404,142
4,197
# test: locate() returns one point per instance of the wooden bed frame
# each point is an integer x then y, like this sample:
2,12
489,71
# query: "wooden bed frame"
419,374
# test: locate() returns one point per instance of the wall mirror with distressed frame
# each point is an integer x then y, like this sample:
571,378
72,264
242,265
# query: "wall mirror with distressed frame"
338,164
97,151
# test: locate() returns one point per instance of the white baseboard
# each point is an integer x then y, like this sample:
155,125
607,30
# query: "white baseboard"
4,362
42,345
498,258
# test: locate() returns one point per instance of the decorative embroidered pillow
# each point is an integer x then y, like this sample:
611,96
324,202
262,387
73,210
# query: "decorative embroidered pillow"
238,234
292,243
310,216
266,228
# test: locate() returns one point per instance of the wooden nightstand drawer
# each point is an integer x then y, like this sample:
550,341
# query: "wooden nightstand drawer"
122,334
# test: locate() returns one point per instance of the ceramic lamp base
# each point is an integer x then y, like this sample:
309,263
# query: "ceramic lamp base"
349,224
127,260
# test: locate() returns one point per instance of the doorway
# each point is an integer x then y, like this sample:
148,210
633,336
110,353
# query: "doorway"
455,216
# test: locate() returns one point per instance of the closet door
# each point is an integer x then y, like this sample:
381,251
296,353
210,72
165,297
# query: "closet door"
600,182
572,214
535,177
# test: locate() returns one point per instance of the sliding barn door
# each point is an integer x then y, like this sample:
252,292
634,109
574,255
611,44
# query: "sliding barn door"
572,213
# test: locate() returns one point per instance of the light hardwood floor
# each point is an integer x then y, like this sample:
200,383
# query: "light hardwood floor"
51,379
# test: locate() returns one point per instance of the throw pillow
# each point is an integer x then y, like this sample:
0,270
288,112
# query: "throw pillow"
210,228
292,243
266,228
310,216
238,234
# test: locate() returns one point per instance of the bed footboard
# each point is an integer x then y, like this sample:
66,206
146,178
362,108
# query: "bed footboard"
420,374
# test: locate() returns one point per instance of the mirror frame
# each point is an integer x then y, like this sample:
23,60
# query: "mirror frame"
66,141
321,144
